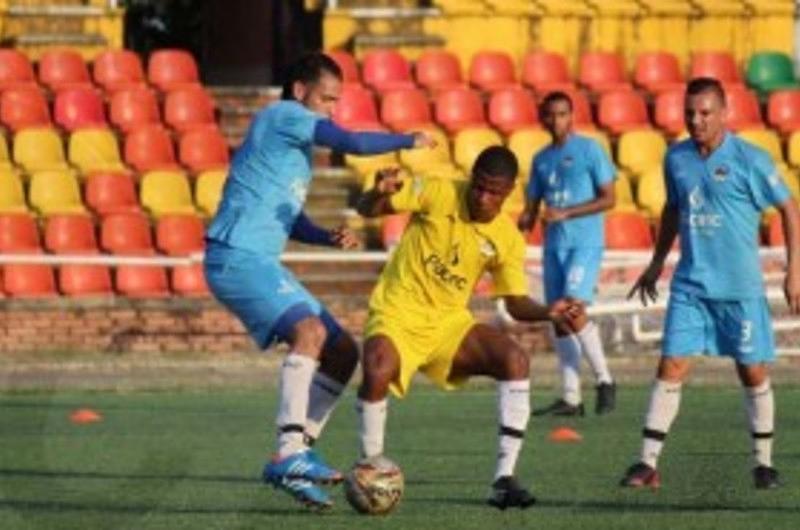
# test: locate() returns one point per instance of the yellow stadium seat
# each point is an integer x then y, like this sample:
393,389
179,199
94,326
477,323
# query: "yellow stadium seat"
94,150
638,151
12,197
793,149
5,159
766,139
420,159
166,192
623,192
469,143
364,165
599,136
39,149
55,192
515,203
525,144
442,171
208,190
650,192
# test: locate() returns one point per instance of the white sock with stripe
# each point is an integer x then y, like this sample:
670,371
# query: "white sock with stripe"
322,399
760,405
592,346
569,363
295,381
372,418
665,400
514,410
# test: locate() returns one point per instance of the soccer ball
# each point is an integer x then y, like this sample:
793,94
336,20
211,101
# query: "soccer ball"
374,485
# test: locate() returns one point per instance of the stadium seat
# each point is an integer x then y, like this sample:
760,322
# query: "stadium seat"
12,196
366,165
511,109
76,108
55,192
770,71
651,193
356,109
136,281
657,71
5,158
126,233
783,110
166,192
70,233
27,280
386,69
93,150
190,280
581,107
622,111
743,109
775,235
83,280
347,63
190,108
525,144
208,191
108,193
669,112
766,139
132,108
623,192
599,136
24,107
535,237
18,233
627,231
469,143
602,71
148,148
417,160
203,149
459,108
542,68
169,69
16,69
638,151
392,228
39,149
719,65
63,68
491,70
405,109
437,70
180,235
118,69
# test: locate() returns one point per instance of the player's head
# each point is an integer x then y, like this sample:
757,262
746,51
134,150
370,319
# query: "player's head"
493,177
705,110
555,113
315,80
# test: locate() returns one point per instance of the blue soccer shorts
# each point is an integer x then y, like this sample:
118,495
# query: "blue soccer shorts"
571,272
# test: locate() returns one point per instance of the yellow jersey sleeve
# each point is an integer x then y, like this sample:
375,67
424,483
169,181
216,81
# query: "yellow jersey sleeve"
508,271
420,194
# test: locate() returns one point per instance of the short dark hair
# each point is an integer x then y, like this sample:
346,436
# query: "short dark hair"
496,161
552,97
700,85
308,69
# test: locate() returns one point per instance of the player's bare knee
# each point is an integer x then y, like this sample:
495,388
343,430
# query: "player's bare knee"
673,370
752,375
516,364
309,336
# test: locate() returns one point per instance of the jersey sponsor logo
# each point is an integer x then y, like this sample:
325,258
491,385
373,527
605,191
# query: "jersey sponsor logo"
299,189
437,267
552,179
699,218
567,161
285,287
454,256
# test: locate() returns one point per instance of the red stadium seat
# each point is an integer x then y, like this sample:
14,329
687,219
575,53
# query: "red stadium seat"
180,234
118,69
602,71
149,148
126,234
438,69
15,69
356,109
743,109
22,108
392,229
719,65
511,109
783,110
627,231
18,233
170,69
190,280
669,111
63,68
536,236
81,280
77,108
581,108
657,71
775,235
70,233
491,70
458,108
189,108
203,149
347,63
27,280
622,111
109,193
542,68
386,69
136,281
404,109
132,108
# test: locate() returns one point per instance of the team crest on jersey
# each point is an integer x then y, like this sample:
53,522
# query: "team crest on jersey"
487,248
299,189
721,173
567,161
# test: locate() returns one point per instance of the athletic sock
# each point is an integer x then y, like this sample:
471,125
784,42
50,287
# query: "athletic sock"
514,409
372,417
665,401
322,398
760,405
592,347
569,362
295,380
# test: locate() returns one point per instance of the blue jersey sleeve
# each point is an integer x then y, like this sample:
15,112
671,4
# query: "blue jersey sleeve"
328,134
295,123
766,184
601,168
534,190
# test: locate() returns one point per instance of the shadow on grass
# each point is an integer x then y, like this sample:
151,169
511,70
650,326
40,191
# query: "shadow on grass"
67,474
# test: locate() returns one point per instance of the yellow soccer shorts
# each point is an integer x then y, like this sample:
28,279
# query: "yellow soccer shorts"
428,347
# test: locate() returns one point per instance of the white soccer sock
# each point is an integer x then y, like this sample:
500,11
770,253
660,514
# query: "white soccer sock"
569,362
592,347
295,380
514,409
373,425
760,405
322,399
665,400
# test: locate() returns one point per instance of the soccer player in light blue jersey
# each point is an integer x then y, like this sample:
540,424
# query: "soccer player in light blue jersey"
261,208
717,187
575,179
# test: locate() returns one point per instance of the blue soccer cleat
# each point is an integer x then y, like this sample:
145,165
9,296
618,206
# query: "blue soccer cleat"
305,492
305,465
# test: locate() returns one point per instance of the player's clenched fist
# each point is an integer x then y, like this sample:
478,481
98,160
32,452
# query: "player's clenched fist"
423,139
387,181
568,313
345,238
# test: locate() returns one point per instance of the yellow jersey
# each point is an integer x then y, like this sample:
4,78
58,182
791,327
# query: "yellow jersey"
443,254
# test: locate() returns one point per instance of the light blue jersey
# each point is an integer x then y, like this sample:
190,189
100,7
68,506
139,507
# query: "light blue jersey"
720,200
569,175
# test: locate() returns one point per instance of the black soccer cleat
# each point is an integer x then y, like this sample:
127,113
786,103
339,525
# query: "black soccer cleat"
560,408
606,398
766,478
507,493
640,475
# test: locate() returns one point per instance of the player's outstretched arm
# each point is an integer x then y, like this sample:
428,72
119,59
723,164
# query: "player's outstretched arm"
645,286
790,215
376,201
605,200
305,231
328,134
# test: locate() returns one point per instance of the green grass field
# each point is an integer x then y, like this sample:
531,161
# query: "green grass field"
191,460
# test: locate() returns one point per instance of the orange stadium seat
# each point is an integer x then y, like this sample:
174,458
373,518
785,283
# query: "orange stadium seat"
491,70
79,107
775,235
169,69
743,108
405,108
189,108
138,281
385,69
126,233
39,149
95,149
347,63
26,280
669,113
657,71
581,107
109,192
627,231
63,68
392,228
70,233
622,111
18,233
190,280
203,149
717,64
24,107
458,108
542,68
150,147
131,108
602,71
118,69
77,279
783,110
511,109
179,235
15,69
535,237
356,109
437,70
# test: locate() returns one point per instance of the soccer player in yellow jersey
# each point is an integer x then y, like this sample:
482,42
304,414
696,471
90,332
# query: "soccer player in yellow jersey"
418,313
